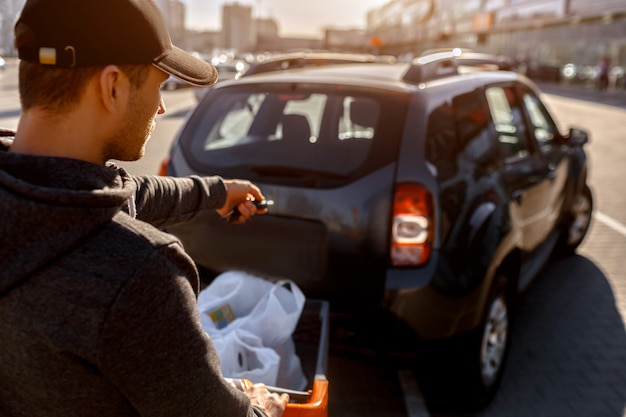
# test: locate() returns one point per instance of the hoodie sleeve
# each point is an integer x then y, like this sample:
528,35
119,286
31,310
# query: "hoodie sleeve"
163,201
154,350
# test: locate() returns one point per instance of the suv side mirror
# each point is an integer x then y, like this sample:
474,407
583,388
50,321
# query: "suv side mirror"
577,137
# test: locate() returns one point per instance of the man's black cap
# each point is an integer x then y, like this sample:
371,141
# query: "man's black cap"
84,33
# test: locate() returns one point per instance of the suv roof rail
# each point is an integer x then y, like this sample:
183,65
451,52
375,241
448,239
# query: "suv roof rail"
446,63
432,67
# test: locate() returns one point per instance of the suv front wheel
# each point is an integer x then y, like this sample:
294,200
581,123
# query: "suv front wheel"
578,225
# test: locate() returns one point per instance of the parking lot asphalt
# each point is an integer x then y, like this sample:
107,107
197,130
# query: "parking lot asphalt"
568,356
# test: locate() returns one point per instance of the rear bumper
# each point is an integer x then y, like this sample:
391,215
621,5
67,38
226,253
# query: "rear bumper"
411,278
431,313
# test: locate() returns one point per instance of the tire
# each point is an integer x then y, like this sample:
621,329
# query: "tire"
464,373
578,224
495,336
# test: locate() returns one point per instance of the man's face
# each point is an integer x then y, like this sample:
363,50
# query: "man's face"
144,104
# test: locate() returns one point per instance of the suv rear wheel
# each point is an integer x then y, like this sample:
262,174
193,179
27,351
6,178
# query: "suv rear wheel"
494,342
464,373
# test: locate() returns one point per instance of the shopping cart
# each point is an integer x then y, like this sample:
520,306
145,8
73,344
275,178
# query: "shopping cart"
311,342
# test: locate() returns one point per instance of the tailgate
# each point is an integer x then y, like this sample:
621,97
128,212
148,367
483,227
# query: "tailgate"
270,246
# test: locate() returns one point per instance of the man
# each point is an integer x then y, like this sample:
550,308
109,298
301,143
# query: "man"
98,307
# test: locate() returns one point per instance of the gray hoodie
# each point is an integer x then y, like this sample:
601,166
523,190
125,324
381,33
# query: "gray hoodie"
98,311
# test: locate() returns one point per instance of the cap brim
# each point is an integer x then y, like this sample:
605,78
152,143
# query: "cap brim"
187,67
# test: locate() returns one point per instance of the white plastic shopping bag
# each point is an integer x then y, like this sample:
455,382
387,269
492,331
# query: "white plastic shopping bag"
243,355
231,295
237,306
290,374
237,300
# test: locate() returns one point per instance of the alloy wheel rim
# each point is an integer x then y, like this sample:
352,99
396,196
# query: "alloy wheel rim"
494,341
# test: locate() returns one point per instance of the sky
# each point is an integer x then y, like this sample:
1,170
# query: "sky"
294,17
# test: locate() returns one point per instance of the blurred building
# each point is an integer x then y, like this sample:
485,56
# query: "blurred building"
176,21
164,6
203,41
542,35
237,27
266,34
241,32
9,12
353,40
267,38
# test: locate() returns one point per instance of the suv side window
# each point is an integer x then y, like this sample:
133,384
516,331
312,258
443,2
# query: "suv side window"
543,129
507,116
466,138
441,142
471,119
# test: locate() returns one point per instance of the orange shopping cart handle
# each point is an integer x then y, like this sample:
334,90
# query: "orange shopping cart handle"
312,403
317,406
295,396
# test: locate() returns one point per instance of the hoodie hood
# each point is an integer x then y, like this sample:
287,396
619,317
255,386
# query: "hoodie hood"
49,204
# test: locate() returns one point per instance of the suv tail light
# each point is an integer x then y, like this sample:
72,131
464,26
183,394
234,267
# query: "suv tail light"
163,168
412,226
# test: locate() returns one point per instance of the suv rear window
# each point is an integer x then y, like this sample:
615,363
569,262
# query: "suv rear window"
307,135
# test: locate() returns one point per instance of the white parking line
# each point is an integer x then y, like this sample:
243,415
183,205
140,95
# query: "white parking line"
611,222
413,400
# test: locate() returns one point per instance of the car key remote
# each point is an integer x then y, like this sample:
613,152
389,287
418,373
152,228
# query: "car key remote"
262,204
259,204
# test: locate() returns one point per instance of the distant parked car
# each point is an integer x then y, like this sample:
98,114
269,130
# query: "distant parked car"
424,196
227,71
173,83
281,62
544,72
617,75
231,69
578,73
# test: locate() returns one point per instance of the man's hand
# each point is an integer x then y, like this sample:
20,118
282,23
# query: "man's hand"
239,194
273,404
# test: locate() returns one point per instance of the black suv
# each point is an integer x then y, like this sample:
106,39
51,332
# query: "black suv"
431,190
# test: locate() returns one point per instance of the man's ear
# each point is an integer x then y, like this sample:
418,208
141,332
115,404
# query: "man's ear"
113,88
